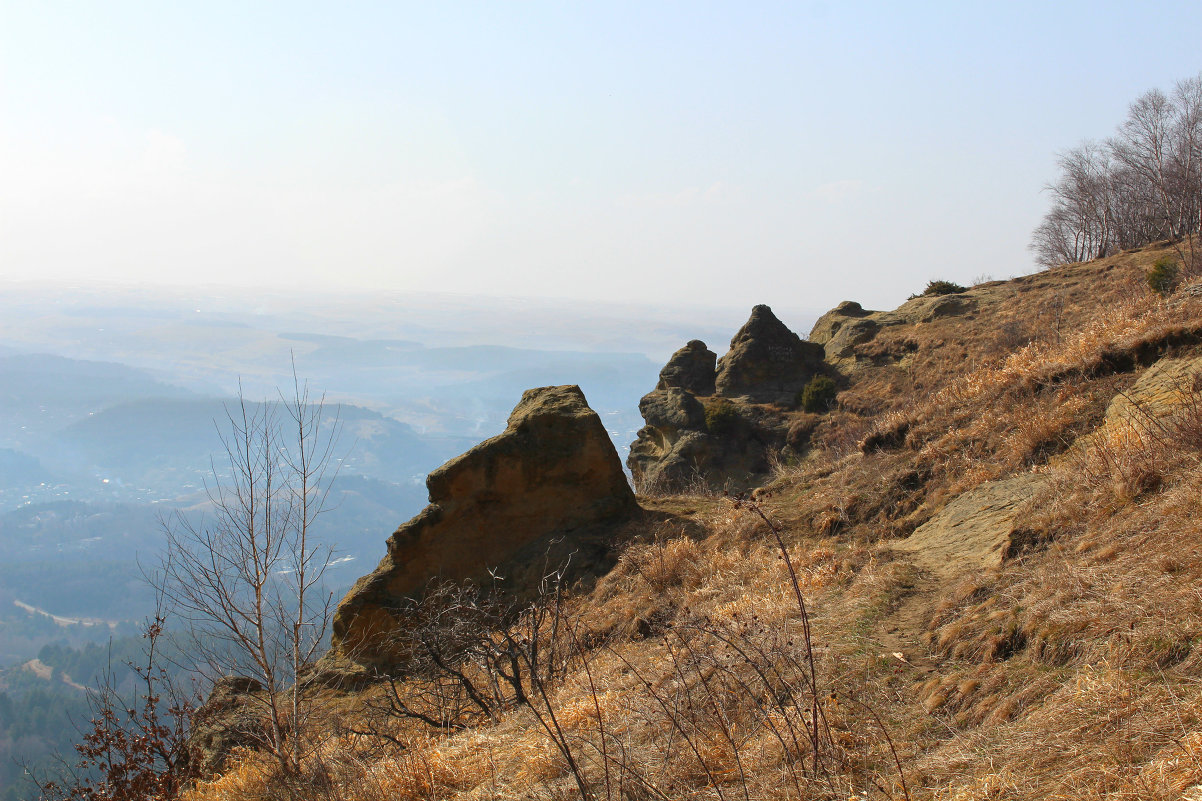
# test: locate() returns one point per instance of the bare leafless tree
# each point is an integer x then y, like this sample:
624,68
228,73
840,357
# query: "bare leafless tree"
1141,185
248,578
1081,224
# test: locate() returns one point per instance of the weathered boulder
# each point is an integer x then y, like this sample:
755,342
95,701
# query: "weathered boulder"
674,445
692,368
547,483
230,718
672,464
672,410
927,308
767,363
847,325
842,345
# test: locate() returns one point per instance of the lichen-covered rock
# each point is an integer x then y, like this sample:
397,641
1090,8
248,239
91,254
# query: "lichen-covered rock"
546,483
767,363
692,368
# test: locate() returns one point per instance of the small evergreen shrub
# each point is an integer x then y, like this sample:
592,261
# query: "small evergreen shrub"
1163,275
721,416
818,395
941,287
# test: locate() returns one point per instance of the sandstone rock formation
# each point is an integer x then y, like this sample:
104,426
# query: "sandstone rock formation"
1163,389
849,324
673,444
719,424
976,530
829,324
677,450
844,327
692,368
767,363
1144,411
550,485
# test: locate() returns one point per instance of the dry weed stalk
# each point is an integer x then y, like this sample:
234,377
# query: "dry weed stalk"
733,679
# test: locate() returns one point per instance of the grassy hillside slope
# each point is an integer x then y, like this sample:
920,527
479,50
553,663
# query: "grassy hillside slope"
995,541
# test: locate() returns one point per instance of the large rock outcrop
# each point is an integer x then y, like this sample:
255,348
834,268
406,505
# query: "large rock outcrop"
842,329
674,445
845,326
767,363
680,449
550,485
719,424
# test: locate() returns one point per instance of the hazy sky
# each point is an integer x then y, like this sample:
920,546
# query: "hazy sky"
677,153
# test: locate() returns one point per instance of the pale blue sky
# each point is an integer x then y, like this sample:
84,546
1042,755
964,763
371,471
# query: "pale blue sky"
684,153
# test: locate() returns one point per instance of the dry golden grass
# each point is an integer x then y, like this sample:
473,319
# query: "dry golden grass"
1072,671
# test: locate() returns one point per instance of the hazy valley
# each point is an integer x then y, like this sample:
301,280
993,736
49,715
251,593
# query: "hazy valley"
113,403
600,402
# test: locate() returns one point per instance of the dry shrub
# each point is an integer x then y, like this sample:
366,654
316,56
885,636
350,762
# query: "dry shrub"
841,435
1098,639
1134,455
422,772
1043,430
800,429
248,778
1123,464
1105,734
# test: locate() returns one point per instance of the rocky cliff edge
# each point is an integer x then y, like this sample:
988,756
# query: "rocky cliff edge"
551,485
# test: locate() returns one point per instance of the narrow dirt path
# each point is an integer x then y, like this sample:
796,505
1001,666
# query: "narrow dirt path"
970,534
899,634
